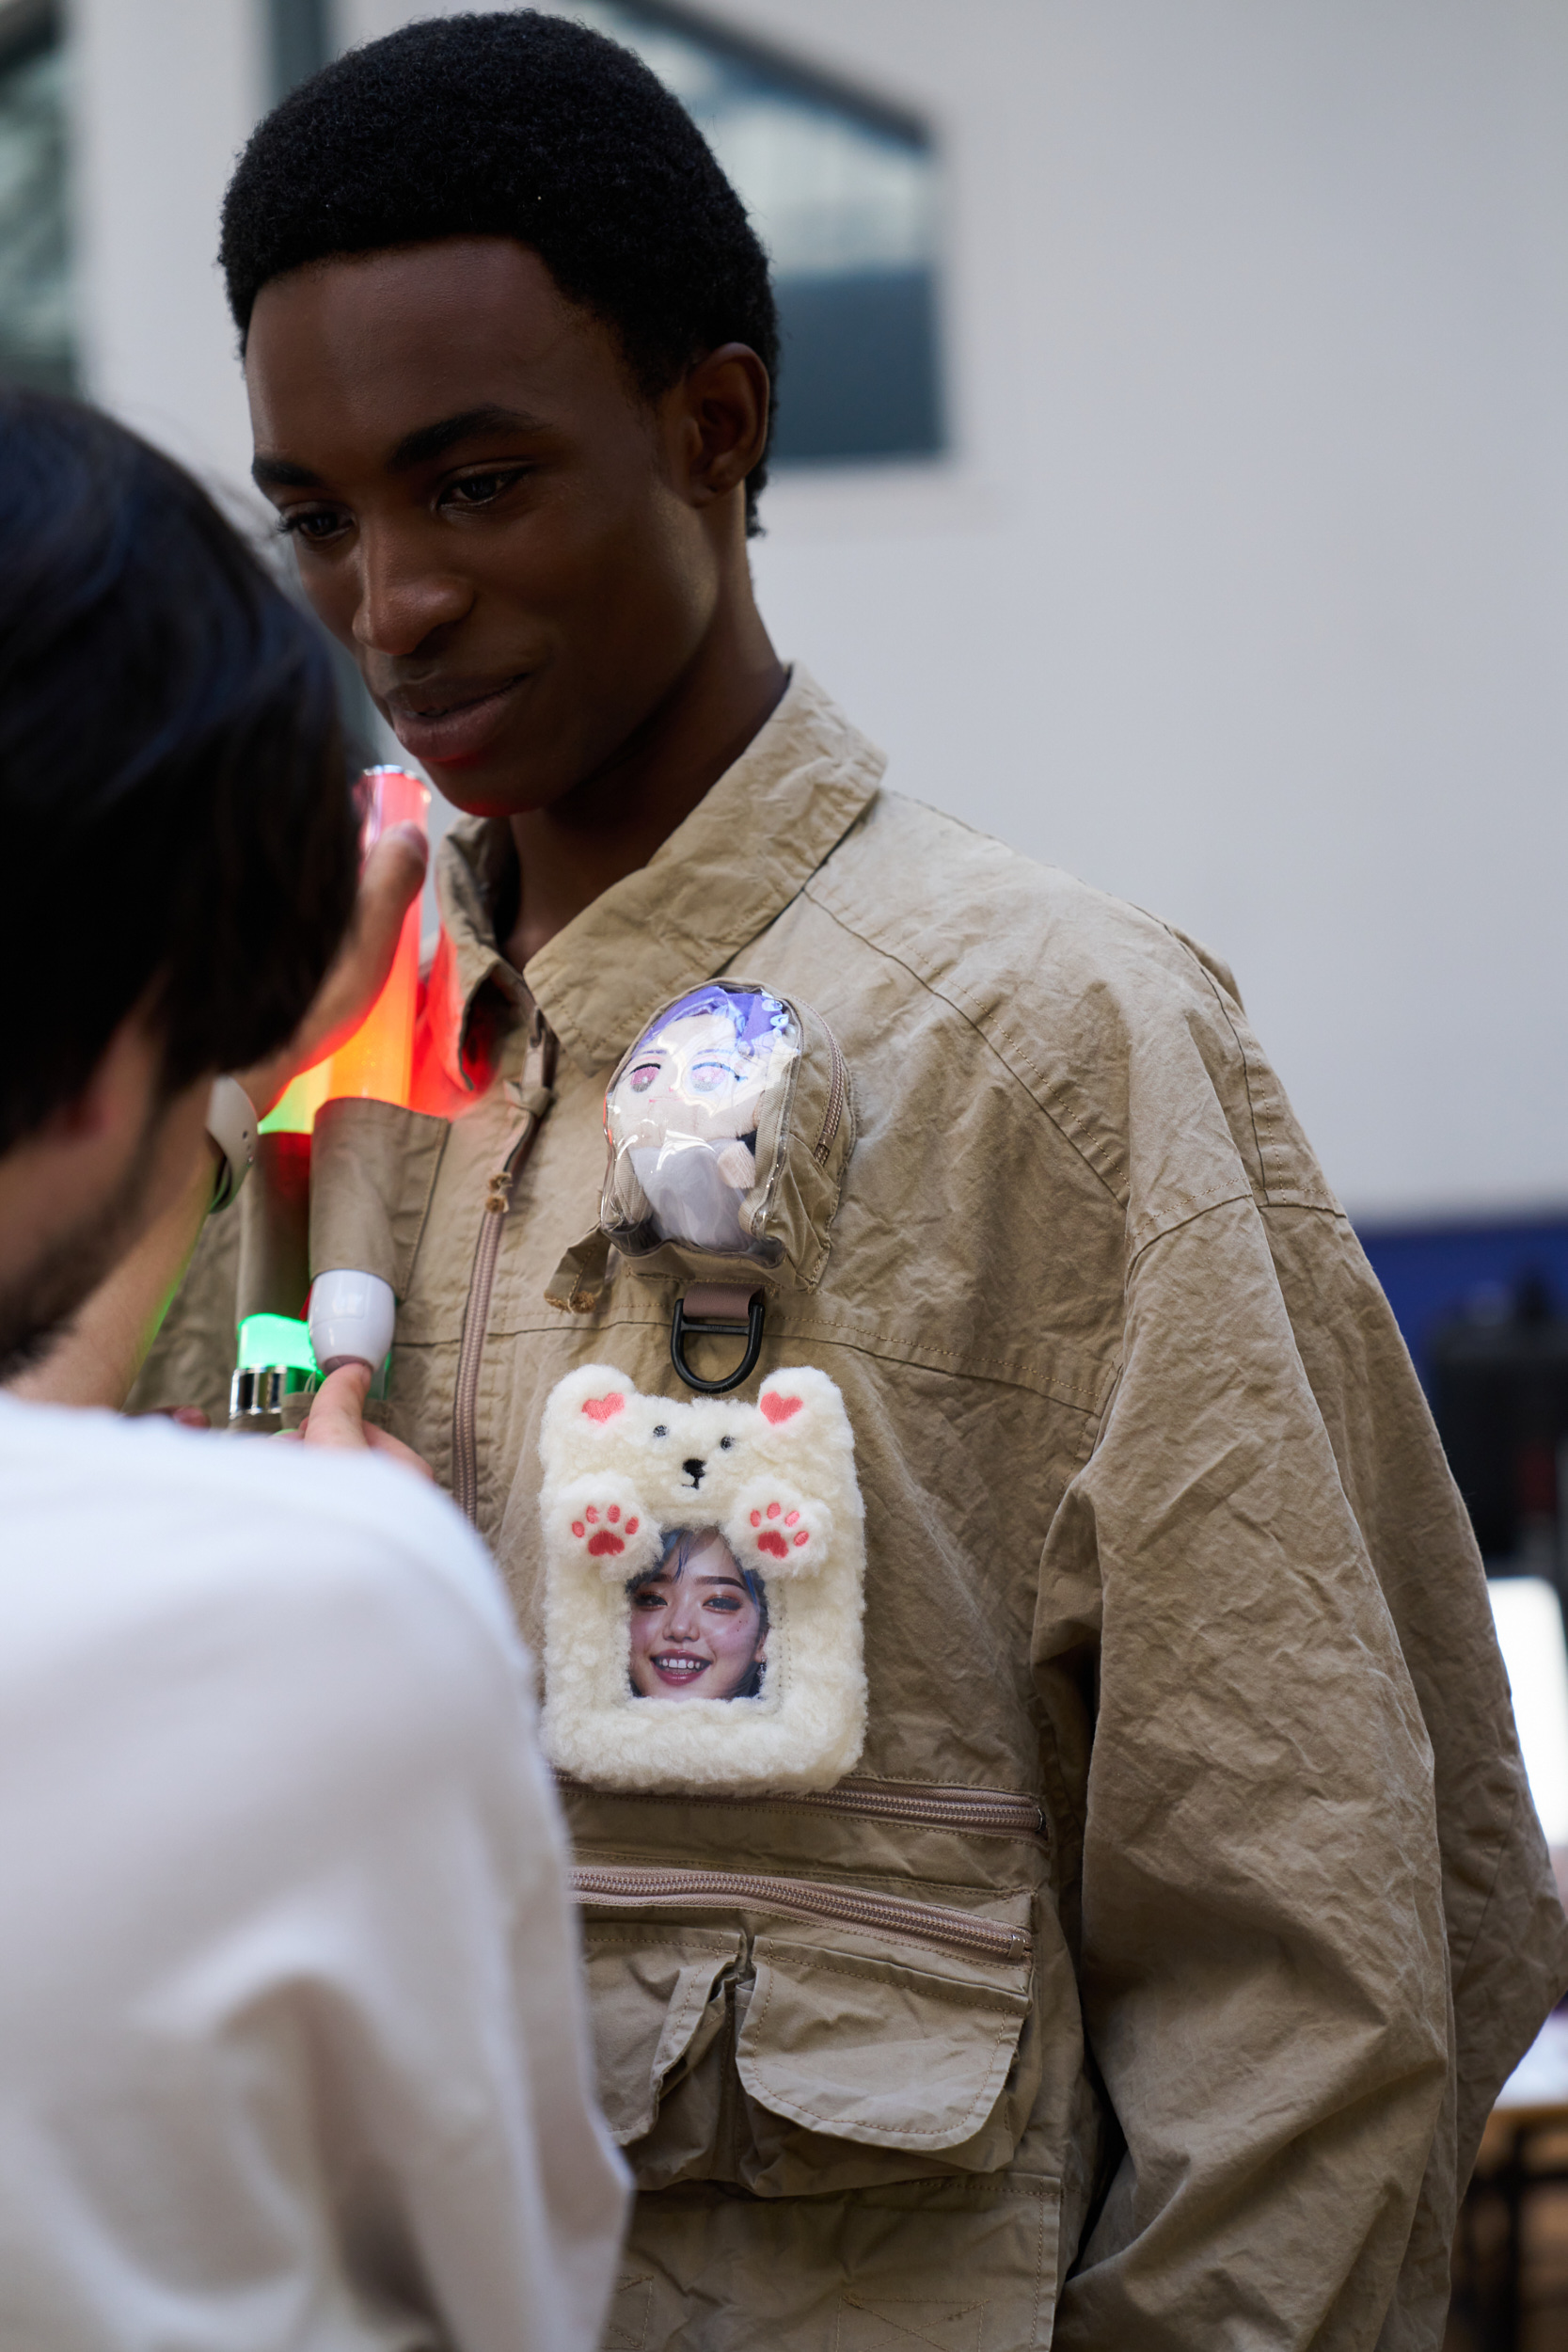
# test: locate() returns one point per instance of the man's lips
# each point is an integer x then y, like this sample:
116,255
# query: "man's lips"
455,722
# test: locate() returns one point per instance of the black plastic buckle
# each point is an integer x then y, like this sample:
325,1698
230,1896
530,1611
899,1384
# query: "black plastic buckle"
708,1327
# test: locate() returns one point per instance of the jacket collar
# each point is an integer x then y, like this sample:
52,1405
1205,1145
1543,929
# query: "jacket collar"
745,852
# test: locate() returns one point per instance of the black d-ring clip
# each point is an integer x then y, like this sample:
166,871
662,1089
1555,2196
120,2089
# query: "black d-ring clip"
713,1311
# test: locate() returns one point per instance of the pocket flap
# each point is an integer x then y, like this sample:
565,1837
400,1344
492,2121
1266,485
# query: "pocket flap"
654,2010
877,2051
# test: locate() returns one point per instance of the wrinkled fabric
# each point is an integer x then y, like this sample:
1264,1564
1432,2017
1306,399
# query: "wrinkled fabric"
1159,1533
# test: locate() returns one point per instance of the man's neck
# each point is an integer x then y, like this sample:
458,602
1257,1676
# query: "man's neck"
612,822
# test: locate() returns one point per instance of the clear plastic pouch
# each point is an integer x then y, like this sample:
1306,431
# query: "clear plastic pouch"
696,1117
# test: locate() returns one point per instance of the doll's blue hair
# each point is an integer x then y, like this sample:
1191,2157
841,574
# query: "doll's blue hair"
752,1013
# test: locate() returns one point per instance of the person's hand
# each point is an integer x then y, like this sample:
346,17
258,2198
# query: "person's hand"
393,876
337,1418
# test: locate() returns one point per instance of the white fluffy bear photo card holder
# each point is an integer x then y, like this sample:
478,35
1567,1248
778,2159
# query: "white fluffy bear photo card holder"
705,1574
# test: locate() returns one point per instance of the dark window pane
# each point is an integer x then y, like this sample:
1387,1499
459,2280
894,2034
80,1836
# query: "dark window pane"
301,42
858,378
843,191
37,344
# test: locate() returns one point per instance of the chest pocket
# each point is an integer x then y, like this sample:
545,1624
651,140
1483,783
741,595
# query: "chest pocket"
790,2036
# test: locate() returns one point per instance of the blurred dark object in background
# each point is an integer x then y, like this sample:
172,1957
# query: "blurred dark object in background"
1483,1308
1511,2252
1498,1376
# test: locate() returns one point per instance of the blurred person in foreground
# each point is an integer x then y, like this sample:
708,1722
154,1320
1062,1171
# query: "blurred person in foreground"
290,2042
1177,1641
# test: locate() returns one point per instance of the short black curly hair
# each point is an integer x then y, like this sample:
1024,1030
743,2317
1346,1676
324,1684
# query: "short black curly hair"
514,125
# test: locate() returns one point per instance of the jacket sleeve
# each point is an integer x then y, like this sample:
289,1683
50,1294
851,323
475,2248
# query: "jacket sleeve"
192,1356
1507,1938
1263,1965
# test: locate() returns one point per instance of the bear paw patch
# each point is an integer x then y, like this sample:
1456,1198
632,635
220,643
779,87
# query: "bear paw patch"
603,1521
778,1530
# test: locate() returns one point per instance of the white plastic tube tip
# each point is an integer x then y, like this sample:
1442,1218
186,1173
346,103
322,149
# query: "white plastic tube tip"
352,1317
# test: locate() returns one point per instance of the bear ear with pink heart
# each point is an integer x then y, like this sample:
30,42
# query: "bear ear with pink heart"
649,1502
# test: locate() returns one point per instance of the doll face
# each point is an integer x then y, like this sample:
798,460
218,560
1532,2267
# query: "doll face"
697,1628
692,1078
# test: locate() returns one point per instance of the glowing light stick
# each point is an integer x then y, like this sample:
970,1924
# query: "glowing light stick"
352,1313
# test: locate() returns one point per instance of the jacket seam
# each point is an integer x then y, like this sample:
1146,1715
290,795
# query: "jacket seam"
1059,1393
1266,1207
954,1001
1241,1051
1181,1223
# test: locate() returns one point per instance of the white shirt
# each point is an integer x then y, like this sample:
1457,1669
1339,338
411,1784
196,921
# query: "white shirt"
293,2045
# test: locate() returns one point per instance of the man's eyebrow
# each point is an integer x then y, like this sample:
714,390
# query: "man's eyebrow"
280,473
415,449
432,440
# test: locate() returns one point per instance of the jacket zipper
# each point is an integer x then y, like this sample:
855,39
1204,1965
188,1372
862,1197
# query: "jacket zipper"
637,1886
838,1088
982,1812
974,1812
538,1070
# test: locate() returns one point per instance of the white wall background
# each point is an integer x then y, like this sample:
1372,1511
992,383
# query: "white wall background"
1245,592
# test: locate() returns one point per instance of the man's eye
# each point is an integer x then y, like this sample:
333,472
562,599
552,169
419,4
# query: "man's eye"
642,1077
315,524
481,490
725,1601
647,1600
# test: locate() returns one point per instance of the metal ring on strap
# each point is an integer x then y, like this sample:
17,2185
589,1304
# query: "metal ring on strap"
713,1311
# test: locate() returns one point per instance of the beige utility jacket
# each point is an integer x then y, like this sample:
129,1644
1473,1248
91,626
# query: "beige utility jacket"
1182,1683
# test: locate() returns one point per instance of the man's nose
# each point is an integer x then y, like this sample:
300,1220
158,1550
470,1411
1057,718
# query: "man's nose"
403,601
694,1469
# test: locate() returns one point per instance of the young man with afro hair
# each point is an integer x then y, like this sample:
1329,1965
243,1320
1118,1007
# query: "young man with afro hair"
1183,1695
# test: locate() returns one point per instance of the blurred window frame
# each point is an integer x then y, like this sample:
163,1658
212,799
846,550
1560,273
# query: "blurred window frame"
37,326
861,368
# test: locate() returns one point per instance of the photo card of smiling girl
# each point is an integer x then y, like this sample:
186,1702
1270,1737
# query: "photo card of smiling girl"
704,1571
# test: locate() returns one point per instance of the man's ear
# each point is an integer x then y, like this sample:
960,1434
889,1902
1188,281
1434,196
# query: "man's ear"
723,403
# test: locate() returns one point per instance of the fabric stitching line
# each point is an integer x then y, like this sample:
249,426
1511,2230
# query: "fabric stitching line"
1242,1053
852,1877
873,1344
972,1017
849,2301
981,1997
1039,2266
717,1947
619,2339
1182,1223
